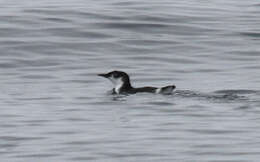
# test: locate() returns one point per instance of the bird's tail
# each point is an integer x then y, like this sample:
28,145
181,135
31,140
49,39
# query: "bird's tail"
167,89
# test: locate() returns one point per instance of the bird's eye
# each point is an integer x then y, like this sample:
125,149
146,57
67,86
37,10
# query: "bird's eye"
116,75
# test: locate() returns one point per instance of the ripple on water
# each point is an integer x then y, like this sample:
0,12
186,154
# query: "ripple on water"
254,35
71,32
40,155
20,138
236,91
160,103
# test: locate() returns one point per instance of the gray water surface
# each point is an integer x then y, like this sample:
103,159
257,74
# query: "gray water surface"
53,106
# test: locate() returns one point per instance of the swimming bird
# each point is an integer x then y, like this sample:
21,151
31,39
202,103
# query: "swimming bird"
122,84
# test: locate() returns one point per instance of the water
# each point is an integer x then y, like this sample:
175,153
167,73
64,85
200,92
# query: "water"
55,108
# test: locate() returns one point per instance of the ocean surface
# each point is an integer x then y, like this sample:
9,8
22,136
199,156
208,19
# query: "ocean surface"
54,107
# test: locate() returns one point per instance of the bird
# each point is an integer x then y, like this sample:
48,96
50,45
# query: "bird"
122,84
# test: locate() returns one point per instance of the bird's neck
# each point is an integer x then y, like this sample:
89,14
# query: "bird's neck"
122,86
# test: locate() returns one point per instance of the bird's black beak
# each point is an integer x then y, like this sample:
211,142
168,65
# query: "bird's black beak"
103,75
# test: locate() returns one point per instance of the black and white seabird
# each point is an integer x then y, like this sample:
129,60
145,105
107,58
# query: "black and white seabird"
122,84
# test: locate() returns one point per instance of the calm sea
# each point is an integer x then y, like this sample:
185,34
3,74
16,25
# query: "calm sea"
54,108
